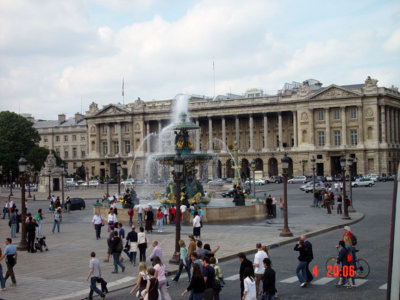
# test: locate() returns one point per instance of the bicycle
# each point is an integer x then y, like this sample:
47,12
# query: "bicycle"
362,268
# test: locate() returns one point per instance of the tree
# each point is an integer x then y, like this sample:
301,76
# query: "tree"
37,156
81,172
17,138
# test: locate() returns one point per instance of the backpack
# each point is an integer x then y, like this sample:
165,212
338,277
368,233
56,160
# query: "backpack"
38,217
349,257
119,247
354,240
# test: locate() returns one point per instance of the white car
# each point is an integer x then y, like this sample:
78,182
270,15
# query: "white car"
94,183
374,177
298,179
129,181
363,182
308,187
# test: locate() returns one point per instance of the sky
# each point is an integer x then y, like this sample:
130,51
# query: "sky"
59,56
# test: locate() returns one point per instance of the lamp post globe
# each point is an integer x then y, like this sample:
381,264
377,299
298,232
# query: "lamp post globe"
22,166
285,166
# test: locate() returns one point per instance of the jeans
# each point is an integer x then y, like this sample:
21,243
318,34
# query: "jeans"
142,252
117,262
131,255
97,227
6,212
268,297
55,223
181,265
198,296
160,224
301,271
13,230
2,281
39,231
10,273
315,202
93,288
140,219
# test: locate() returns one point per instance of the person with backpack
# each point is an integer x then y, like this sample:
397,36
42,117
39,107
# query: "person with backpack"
116,249
343,259
351,241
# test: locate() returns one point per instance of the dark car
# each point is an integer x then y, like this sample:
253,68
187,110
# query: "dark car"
276,179
320,178
77,204
387,178
229,193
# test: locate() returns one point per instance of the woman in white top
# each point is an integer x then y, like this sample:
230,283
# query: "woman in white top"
162,280
142,280
249,286
112,219
142,244
196,225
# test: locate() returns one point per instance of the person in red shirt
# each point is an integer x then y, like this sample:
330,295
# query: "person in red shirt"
172,213
160,220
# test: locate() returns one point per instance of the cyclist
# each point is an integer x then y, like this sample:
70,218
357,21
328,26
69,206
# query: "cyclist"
342,259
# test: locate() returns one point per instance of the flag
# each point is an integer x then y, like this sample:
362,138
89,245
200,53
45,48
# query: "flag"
123,93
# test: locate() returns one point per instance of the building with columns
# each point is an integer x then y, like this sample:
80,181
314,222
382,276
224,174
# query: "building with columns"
302,120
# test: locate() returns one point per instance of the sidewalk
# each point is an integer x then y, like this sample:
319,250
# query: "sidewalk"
61,272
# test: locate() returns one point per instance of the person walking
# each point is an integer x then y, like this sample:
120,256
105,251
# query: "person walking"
339,205
57,220
196,225
111,219
116,249
97,223
10,255
258,265
68,203
269,205
343,260
6,210
152,286
302,265
160,275
2,281
309,255
249,285
39,220
197,284
142,244
209,278
131,212
183,261
94,275
269,288
244,263
13,223
31,232
328,203
160,220
191,249
218,276
280,204
141,283
132,245
139,209
149,217
157,251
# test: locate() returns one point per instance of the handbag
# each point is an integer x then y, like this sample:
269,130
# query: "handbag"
216,285
102,222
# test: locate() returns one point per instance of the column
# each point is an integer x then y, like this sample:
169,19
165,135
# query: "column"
312,139
98,140
344,127
210,142
148,137
388,136
197,137
251,132
119,138
223,134
131,137
237,132
109,139
360,125
280,130
265,132
392,126
295,128
396,126
383,125
327,129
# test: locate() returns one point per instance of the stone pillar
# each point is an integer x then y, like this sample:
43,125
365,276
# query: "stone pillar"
265,132
360,125
223,135
312,139
344,127
109,139
148,138
210,136
197,137
327,129
98,140
396,126
392,126
132,139
388,135
237,131
119,138
295,128
383,125
251,133
280,130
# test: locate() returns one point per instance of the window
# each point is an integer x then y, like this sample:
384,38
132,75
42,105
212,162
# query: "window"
336,114
116,128
320,115
353,113
127,127
65,138
93,146
45,139
74,165
105,128
321,138
65,154
277,140
83,154
105,148
353,137
57,138
74,138
336,137
370,164
66,166
116,147
127,147
74,153
83,138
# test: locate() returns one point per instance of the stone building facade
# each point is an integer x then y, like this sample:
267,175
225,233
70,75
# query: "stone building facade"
67,137
306,120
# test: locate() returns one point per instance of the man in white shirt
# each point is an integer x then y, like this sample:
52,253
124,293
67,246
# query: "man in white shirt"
139,209
97,223
259,267
94,274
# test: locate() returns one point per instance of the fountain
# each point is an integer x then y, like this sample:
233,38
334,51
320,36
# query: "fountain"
193,189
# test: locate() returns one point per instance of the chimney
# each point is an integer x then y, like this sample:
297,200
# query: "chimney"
61,118
78,117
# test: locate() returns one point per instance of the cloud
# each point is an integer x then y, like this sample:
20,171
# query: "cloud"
393,43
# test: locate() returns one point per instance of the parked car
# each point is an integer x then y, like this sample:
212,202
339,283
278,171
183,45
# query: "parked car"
82,182
228,180
77,204
94,183
258,181
387,178
308,187
363,182
217,181
374,177
275,179
320,178
298,179
129,181
229,192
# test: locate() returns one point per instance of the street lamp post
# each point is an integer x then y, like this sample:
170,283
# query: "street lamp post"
313,176
343,165
107,182
49,173
285,165
11,194
350,162
62,184
177,173
253,169
22,164
119,178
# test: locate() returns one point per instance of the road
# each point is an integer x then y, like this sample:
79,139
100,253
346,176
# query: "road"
373,241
